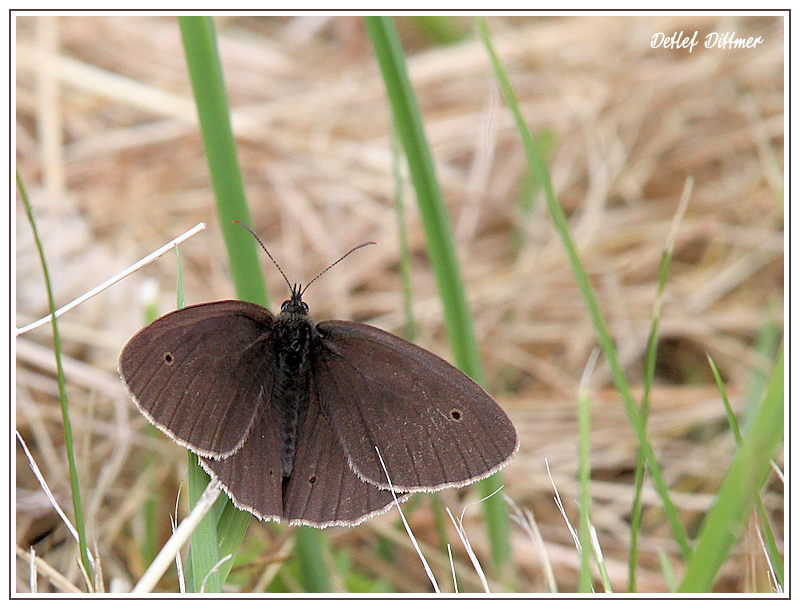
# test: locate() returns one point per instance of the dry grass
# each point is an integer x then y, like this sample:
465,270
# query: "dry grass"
108,145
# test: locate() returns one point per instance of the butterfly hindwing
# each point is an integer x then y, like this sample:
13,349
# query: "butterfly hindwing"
322,489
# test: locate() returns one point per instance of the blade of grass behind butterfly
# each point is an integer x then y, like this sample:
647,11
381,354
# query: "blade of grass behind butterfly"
534,146
405,278
441,249
205,71
203,551
763,519
62,392
766,344
538,168
405,257
584,477
649,374
149,543
440,29
650,359
743,481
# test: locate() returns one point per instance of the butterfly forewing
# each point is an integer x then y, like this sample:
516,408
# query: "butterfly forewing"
180,367
433,425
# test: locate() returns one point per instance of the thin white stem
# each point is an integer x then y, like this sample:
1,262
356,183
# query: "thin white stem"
561,508
462,533
33,579
43,483
214,569
528,523
452,567
109,282
408,528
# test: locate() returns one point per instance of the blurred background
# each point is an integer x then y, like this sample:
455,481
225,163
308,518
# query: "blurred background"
108,146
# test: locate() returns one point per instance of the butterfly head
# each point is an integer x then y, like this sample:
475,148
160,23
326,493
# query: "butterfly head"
295,305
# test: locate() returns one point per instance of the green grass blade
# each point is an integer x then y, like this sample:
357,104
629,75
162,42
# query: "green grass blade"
539,169
666,569
766,346
649,375
77,505
205,71
231,529
533,149
763,520
411,331
439,237
584,474
149,545
737,435
440,29
204,553
402,238
644,409
310,545
441,249
601,565
206,76
740,488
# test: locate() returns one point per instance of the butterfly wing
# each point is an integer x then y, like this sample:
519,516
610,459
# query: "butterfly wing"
322,490
434,426
252,475
199,374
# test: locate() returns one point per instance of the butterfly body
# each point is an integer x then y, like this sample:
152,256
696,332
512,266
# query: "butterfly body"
291,351
312,424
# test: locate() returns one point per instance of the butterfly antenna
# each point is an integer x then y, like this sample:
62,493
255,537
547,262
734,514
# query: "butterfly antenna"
268,254
357,247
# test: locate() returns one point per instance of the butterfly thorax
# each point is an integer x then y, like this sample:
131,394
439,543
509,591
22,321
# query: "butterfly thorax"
292,344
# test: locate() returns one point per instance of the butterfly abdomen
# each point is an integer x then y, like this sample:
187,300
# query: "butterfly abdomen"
290,391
